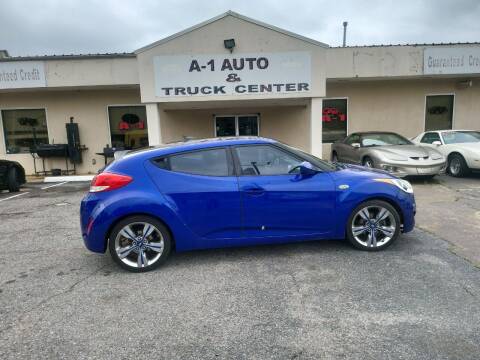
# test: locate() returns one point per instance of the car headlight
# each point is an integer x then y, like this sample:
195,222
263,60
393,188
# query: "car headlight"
402,184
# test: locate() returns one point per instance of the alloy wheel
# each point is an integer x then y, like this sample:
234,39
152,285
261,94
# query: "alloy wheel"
455,166
373,226
368,163
139,244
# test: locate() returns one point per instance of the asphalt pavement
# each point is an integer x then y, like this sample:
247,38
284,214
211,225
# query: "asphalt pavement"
316,300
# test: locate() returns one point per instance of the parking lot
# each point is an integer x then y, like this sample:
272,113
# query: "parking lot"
420,299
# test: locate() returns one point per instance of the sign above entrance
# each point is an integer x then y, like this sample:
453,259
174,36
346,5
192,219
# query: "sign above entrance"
22,74
451,60
239,74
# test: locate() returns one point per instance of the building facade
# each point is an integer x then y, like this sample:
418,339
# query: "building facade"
231,76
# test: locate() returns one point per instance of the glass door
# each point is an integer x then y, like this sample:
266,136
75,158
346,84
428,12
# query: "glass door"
236,125
247,125
225,126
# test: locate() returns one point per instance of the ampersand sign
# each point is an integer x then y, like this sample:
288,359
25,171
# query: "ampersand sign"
233,77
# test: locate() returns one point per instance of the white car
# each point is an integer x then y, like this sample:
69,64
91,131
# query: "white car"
460,147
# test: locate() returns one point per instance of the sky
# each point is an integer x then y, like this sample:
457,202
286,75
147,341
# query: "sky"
46,27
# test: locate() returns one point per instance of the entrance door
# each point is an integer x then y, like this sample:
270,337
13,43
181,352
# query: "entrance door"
237,125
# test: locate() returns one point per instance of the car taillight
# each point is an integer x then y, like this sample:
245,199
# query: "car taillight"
108,181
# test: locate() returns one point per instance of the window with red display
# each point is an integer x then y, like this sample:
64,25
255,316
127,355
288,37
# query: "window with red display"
128,126
334,119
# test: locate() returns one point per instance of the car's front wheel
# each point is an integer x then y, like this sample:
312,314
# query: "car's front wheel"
368,162
373,225
139,243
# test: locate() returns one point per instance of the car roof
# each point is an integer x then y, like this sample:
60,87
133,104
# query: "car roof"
360,133
452,130
190,145
374,132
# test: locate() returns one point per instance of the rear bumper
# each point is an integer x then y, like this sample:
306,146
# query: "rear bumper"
94,230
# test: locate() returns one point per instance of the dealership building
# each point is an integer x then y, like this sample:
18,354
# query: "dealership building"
230,76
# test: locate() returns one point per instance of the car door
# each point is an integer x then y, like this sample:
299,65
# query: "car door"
349,153
276,203
429,137
202,189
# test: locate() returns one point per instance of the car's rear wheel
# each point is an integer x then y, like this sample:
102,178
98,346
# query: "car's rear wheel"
373,225
368,162
12,180
457,166
139,243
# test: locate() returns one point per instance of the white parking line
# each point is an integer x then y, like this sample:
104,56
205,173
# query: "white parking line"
14,196
50,186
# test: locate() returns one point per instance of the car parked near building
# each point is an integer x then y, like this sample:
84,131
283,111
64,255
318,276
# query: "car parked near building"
460,147
390,152
234,192
12,175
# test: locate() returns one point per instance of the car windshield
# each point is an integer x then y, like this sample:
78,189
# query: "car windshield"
321,164
455,137
382,139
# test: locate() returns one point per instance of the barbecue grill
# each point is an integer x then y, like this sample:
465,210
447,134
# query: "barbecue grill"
52,150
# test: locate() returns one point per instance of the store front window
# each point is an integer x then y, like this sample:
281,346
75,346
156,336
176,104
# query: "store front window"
128,126
334,120
236,125
24,129
439,112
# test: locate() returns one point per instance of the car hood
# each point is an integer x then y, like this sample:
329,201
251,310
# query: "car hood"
404,150
360,171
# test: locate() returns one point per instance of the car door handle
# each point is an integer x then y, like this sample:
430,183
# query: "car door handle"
253,189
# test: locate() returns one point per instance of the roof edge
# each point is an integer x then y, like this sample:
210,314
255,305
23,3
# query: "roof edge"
407,45
224,15
68,57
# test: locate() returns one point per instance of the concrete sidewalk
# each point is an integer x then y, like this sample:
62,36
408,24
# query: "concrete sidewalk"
450,208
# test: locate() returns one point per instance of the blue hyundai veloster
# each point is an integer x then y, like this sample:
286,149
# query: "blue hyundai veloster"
234,192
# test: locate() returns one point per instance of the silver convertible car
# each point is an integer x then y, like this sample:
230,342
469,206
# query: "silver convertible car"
389,151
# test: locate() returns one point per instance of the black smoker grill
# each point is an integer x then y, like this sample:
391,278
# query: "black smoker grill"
71,151
52,150
49,151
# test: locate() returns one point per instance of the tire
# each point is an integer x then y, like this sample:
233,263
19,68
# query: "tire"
334,157
457,166
362,239
12,180
131,246
368,162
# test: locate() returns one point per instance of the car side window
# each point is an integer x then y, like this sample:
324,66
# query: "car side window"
430,137
355,138
266,160
210,162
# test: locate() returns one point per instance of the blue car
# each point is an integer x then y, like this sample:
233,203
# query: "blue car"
234,192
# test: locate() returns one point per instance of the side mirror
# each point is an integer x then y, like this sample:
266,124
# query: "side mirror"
307,169
356,145
437,143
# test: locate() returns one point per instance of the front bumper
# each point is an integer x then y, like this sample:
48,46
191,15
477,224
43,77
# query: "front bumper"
409,210
403,170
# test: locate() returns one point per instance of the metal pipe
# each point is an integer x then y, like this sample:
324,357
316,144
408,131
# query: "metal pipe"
345,23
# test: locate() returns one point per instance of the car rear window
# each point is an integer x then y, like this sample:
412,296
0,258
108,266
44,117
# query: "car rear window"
209,162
